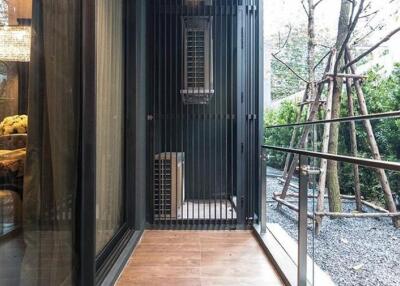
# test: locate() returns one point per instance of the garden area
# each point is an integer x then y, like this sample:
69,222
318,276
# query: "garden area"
330,62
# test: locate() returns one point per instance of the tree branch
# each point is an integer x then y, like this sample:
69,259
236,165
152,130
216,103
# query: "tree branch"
385,39
304,7
281,47
316,4
322,59
288,67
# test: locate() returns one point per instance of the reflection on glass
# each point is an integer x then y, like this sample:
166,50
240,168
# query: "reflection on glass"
110,126
39,135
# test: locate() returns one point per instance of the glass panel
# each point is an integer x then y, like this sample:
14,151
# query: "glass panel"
39,49
282,219
110,120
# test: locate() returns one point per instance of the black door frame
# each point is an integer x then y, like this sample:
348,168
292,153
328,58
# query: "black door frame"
92,269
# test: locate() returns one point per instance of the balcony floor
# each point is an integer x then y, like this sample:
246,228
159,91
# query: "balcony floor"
165,257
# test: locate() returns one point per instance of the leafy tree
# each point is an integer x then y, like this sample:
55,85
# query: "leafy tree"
292,49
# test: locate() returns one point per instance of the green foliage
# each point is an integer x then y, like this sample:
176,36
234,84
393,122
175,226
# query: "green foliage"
382,94
287,113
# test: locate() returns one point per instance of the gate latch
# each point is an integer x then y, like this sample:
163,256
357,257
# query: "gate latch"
251,116
251,8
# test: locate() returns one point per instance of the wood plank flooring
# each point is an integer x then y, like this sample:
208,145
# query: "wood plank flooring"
201,258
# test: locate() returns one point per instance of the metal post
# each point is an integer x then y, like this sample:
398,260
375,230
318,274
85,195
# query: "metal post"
302,224
263,191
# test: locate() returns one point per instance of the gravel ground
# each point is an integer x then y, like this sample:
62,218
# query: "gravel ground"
353,251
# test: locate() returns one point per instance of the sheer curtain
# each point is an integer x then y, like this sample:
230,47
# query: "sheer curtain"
110,119
51,169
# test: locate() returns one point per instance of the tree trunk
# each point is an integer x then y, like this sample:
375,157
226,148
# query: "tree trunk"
311,49
335,204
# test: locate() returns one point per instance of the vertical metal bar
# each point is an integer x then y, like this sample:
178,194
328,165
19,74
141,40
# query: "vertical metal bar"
221,119
263,192
153,122
211,56
232,108
302,223
202,149
240,121
158,112
164,107
186,113
175,93
260,98
169,111
215,123
226,110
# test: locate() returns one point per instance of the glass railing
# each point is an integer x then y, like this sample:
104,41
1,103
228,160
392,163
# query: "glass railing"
335,225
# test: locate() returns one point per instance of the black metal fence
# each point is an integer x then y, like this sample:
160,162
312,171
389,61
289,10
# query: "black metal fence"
196,143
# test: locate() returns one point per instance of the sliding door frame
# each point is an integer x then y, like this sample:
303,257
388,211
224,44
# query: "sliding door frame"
86,206
92,269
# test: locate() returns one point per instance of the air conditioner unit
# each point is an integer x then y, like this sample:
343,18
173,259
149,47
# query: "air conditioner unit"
169,185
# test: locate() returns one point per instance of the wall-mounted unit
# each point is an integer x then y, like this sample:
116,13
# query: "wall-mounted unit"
169,185
197,59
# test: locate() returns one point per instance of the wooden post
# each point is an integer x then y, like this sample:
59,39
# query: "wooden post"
324,162
325,145
294,134
313,111
374,147
353,145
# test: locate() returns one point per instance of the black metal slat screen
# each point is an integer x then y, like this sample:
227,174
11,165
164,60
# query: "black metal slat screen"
192,146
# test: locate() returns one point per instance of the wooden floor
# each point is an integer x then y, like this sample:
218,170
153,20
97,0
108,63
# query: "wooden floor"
193,258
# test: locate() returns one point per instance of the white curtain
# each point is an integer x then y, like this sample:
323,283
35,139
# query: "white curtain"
110,119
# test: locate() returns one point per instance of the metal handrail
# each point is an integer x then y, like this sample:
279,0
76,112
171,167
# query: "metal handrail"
382,115
380,164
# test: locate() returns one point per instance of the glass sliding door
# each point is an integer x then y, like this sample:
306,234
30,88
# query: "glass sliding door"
39,140
109,120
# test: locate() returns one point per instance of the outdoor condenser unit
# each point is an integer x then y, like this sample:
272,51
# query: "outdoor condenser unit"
197,59
169,185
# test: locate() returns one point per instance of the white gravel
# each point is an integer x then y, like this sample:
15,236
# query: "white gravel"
363,252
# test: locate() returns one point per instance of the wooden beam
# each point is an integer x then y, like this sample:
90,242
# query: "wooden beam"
375,207
291,206
357,215
282,180
345,197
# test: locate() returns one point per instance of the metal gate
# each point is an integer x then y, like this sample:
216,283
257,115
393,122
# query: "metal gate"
197,112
